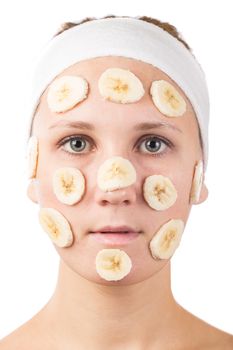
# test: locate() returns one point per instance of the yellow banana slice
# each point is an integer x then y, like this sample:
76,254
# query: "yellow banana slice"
167,99
65,92
120,85
197,182
167,239
113,264
115,173
159,192
56,226
32,156
68,185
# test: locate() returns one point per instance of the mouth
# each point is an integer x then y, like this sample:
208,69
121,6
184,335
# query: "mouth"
115,235
116,230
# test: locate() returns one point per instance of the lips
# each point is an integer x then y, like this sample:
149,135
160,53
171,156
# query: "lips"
116,229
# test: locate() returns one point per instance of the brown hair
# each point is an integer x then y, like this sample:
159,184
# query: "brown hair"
164,25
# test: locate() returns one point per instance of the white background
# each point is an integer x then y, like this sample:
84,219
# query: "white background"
202,266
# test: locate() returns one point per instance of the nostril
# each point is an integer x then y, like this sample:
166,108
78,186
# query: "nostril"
125,196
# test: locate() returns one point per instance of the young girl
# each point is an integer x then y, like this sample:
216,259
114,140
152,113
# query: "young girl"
118,150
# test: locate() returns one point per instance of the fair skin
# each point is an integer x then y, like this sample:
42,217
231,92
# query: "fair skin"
138,312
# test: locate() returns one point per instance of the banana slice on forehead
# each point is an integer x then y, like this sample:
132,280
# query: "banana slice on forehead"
159,192
32,156
65,92
167,239
116,172
120,85
197,182
113,264
56,226
167,99
68,185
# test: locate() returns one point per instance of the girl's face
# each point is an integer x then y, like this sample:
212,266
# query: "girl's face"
114,130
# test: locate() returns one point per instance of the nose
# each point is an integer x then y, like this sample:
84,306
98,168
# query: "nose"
125,196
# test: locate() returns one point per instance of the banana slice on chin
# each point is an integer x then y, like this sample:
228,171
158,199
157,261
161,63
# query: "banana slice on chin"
120,85
32,156
159,192
167,99
167,239
65,92
68,185
197,182
56,226
116,172
113,264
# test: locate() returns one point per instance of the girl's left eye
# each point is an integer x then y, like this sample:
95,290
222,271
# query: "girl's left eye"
155,145
76,144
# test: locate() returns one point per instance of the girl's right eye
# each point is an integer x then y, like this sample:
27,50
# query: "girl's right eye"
75,145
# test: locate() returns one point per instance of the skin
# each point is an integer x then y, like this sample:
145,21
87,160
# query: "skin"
138,312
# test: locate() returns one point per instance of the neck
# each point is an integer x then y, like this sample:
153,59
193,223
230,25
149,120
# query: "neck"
98,316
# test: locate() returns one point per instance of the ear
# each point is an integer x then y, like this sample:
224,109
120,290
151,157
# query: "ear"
31,191
204,194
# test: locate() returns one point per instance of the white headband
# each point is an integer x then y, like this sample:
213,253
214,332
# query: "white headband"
128,37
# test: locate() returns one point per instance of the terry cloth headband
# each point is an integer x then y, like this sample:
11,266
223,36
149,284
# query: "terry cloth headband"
127,37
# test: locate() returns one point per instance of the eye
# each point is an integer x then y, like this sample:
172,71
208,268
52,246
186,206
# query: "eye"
75,144
155,145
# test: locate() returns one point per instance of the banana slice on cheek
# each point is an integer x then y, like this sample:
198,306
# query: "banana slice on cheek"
32,156
56,226
159,192
68,185
167,239
197,182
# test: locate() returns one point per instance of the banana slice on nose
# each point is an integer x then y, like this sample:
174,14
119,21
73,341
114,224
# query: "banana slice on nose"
116,172
113,264
120,85
197,182
56,226
159,192
65,92
167,239
167,99
32,156
68,185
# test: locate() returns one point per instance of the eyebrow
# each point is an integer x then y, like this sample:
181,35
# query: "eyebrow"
87,126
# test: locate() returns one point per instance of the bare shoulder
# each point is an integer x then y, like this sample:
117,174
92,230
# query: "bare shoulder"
220,340
20,338
202,335
28,336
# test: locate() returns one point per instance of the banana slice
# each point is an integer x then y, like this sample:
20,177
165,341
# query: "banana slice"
68,185
115,173
167,239
120,85
56,226
197,182
32,156
167,99
113,264
159,192
65,92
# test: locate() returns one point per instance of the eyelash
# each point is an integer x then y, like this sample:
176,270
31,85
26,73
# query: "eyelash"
83,137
